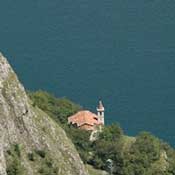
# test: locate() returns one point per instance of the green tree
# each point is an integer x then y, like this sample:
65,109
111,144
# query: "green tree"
148,146
108,146
111,133
141,157
80,138
58,108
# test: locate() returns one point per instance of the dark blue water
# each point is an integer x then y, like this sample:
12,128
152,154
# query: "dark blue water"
122,51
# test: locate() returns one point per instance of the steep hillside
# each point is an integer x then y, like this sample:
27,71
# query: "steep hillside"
113,151
31,143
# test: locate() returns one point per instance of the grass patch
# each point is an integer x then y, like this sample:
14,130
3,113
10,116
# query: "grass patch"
13,157
43,162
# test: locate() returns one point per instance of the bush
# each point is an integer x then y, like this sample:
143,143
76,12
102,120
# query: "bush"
80,138
111,133
137,159
58,108
45,163
31,156
14,166
107,146
17,149
148,145
41,153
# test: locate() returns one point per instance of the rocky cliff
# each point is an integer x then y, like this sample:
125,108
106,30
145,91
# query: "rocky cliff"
31,142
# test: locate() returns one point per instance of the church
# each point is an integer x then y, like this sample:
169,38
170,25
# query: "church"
87,120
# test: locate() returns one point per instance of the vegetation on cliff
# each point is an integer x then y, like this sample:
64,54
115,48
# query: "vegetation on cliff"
31,142
58,108
112,151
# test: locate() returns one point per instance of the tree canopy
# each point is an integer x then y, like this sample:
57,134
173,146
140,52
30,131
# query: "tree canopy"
112,151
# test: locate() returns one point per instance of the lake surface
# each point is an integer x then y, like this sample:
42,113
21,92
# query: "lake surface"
121,51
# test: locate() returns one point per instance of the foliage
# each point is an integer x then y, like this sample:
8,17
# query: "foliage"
58,108
45,162
39,158
111,133
80,138
144,156
31,157
107,146
13,157
143,153
41,153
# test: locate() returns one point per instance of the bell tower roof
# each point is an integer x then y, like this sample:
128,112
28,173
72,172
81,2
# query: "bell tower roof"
100,106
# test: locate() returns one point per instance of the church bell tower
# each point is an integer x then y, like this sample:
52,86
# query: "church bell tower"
100,112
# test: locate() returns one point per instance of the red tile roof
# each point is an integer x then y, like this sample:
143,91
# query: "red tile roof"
84,117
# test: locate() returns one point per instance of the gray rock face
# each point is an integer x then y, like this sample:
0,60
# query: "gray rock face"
22,123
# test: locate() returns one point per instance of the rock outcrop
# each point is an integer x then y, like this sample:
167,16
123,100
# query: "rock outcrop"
25,125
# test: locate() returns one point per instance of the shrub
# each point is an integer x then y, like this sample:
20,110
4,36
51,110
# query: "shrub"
58,108
31,156
14,166
41,153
